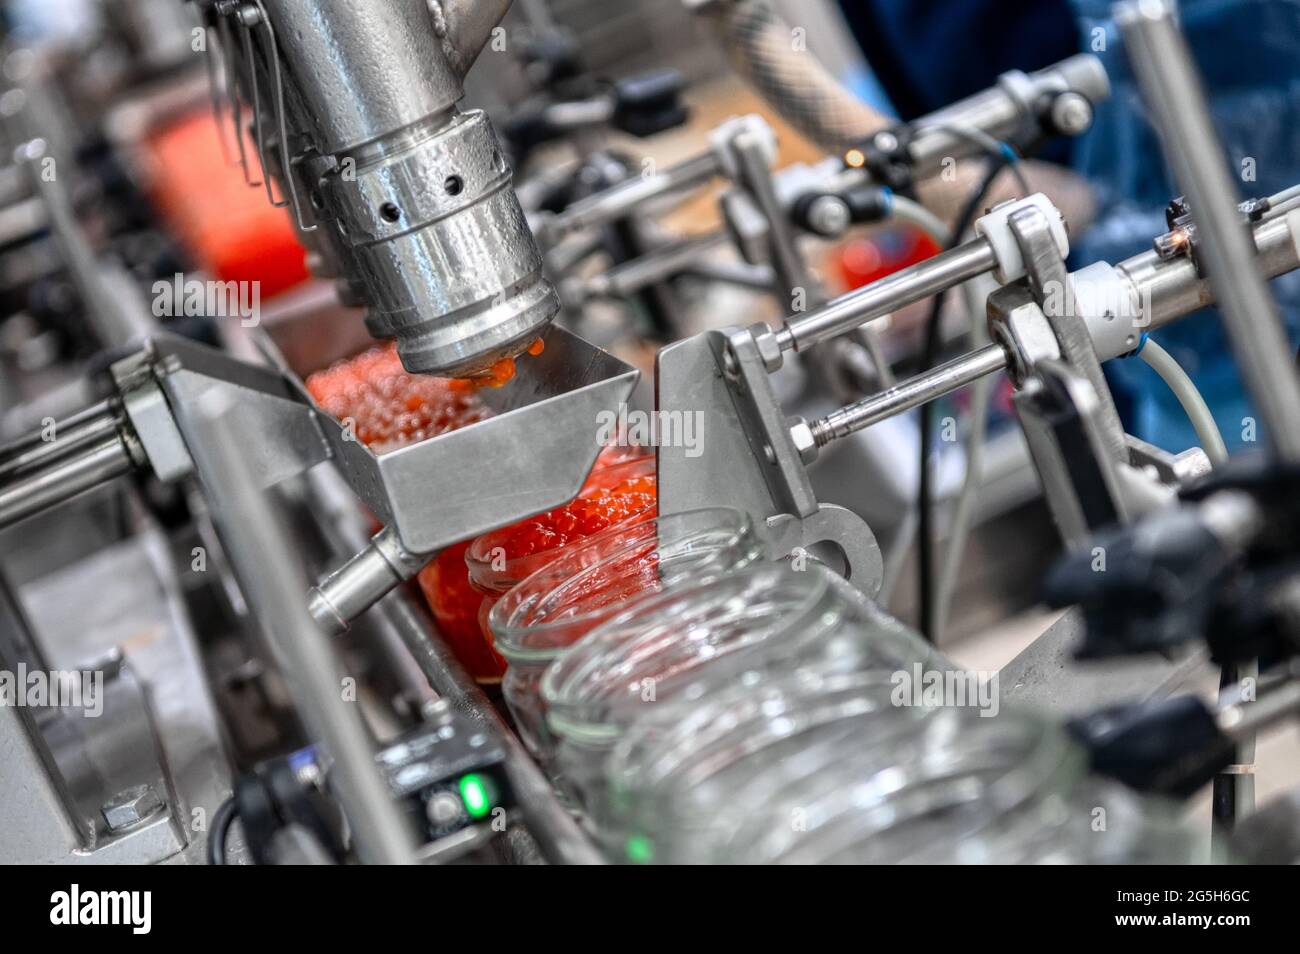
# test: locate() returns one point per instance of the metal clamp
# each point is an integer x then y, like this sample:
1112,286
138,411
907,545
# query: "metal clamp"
747,456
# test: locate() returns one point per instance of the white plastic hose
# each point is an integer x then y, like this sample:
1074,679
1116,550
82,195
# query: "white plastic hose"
1207,431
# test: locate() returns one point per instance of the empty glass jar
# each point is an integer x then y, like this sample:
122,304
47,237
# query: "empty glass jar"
536,621
823,770
682,645
682,779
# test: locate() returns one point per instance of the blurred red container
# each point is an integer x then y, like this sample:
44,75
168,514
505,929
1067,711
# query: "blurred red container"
230,229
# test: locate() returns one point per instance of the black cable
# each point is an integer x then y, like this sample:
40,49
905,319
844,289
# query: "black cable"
222,819
929,355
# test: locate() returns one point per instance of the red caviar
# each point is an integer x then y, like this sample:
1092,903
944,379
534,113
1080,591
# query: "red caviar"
597,509
388,406
503,372
455,606
621,488
498,376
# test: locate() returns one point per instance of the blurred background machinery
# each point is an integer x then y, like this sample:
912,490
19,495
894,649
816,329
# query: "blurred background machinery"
339,344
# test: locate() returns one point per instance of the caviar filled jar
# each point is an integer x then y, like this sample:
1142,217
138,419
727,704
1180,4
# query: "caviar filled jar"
463,581
621,490
589,582
679,646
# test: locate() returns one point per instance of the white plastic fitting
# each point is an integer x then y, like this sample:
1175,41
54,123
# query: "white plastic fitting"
995,228
1109,306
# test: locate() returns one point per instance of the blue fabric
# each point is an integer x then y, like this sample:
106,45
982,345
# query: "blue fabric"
929,53
1248,52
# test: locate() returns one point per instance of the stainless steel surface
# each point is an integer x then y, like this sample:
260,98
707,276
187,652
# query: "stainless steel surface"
880,298
1051,286
362,581
44,445
159,726
1081,481
466,26
1162,290
282,433
363,71
533,455
419,192
754,174
451,269
749,458
1173,91
405,203
541,443
1047,676
270,577
1167,289
909,394
36,811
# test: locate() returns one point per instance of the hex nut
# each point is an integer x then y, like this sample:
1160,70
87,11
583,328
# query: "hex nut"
131,807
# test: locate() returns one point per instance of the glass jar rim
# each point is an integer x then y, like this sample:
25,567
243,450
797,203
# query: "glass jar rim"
670,743
479,559
520,641
575,712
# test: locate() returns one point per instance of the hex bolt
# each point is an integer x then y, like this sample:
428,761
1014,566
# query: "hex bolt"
805,440
130,807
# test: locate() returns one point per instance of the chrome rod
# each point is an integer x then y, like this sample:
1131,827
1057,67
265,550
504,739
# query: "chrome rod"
1173,91
909,394
618,201
63,477
1165,290
270,576
903,288
38,448
363,581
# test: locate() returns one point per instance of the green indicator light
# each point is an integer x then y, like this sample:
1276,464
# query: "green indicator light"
474,793
639,850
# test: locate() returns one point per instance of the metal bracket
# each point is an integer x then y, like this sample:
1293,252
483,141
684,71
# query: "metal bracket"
1058,411
532,455
1064,405
746,457
1053,290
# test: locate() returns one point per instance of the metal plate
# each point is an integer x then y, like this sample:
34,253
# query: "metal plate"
534,455
746,458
